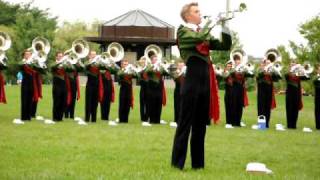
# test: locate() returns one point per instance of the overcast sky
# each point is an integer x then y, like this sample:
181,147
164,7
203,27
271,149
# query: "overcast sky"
266,24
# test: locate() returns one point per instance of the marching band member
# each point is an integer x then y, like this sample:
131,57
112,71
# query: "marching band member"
156,95
293,93
93,88
125,75
199,93
316,83
178,79
74,89
59,88
29,86
143,81
265,78
228,93
3,66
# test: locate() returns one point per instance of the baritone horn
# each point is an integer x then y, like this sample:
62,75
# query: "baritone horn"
152,50
5,44
41,47
116,51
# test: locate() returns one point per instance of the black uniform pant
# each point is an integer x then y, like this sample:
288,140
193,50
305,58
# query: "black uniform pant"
317,107
26,97
194,115
264,101
177,99
143,102
124,102
91,103
237,97
59,94
293,97
105,104
154,101
69,110
228,104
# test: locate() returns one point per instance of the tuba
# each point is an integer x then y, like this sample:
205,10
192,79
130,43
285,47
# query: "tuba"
116,51
5,44
151,50
275,57
40,49
79,49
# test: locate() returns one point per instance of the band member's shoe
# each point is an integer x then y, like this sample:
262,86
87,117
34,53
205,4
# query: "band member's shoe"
229,126
49,121
17,121
112,123
78,119
40,118
117,120
163,122
146,124
173,124
81,122
242,124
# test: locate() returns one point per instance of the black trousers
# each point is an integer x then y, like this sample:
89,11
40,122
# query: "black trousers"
177,100
143,101
237,98
264,101
124,101
91,102
34,107
26,96
293,97
154,101
59,95
194,114
107,92
317,107
69,110
228,104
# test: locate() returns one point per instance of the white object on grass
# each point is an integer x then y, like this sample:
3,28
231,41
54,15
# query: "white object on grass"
112,123
40,118
78,119
81,122
17,121
255,127
163,122
256,167
173,124
306,129
117,120
229,126
280,127
49,121
242,124
146,124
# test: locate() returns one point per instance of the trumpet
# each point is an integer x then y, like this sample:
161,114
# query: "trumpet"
5,44
226,16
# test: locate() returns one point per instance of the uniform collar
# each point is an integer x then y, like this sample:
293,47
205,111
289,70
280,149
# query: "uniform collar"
194,27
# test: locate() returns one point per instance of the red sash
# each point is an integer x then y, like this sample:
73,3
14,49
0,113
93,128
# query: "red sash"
214,110
95,70
2,90
296,79
36,85
69,92
164,96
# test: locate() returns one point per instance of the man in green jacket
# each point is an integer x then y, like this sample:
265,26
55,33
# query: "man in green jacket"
199,98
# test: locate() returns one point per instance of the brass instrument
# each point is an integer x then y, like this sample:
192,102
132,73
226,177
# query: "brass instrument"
303,70
78,50
40,49
5,44
151,50
116,51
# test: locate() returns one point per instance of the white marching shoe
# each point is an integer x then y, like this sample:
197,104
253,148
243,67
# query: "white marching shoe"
49,121
112,123
117,120
146,124
17,121
242,124
280,127
82,122
229,126
173,124
78,119
306,129
40,118
163,122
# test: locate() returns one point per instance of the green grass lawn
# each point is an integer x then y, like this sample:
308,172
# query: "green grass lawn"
98,151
